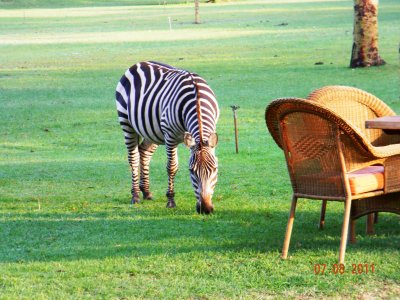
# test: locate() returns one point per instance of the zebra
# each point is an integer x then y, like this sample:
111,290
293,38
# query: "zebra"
160,104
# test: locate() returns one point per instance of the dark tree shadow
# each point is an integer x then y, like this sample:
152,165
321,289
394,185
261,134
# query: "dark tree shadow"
64,237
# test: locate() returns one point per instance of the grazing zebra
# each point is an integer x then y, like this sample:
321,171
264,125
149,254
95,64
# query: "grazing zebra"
159,104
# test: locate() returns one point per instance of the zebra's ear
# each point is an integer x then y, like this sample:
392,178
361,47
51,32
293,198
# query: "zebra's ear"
189,140
213,140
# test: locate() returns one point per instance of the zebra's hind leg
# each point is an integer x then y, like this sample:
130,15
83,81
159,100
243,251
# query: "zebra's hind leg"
131,142
146,150
172,168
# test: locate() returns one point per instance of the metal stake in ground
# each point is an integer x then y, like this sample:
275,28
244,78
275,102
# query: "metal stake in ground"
234,109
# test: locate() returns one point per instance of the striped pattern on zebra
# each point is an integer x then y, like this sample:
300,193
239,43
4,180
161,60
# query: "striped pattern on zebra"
159,104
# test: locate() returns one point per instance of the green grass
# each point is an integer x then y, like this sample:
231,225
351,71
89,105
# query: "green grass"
66,227
18,4
86,3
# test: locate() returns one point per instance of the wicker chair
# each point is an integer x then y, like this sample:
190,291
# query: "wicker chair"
329,158
356,106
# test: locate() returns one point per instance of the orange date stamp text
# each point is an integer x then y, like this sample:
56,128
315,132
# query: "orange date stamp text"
340,269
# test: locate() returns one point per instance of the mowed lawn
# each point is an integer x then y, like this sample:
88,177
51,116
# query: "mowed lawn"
67,229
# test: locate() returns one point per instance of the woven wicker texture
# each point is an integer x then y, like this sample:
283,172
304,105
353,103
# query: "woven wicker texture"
312,154
322,150
312,136
356,106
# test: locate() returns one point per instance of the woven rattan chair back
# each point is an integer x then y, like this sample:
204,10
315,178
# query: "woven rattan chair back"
311,148
324,120
357,106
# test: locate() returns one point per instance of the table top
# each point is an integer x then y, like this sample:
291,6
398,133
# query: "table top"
388,122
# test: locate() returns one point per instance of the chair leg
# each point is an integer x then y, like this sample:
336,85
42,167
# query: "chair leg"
289,228
345,230
376,218
322,216
370,223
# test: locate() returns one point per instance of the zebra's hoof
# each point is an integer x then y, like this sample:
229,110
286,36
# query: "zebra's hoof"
135,200
147,196
171,204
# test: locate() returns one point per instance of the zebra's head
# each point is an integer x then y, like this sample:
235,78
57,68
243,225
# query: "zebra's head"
203,167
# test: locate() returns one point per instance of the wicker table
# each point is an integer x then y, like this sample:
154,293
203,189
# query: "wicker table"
391,124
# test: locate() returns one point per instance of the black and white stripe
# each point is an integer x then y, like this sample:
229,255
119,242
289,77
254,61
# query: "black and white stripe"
159,104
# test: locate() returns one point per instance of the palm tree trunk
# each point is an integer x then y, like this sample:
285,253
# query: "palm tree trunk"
365,35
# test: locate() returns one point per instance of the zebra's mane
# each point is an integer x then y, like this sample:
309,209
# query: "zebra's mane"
198,110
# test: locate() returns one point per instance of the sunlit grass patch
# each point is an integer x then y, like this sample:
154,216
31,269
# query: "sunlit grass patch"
67,229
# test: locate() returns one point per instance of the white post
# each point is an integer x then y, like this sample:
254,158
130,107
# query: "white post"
196,12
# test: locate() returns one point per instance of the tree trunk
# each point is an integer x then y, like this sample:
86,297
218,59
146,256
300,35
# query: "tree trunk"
196,12
365,35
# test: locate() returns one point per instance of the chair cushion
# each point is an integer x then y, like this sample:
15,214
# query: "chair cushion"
367,179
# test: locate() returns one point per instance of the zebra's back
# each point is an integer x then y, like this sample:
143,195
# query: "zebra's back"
161,102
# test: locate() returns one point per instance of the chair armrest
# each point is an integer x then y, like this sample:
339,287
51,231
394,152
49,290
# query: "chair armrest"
386,151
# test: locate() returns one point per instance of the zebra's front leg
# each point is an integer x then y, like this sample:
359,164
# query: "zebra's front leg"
172,168
131,142
146,150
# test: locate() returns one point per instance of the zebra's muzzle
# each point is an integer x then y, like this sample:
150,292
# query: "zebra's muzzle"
204,208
